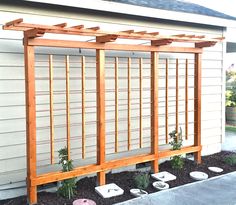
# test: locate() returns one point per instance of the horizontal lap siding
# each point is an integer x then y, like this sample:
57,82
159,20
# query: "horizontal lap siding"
12,110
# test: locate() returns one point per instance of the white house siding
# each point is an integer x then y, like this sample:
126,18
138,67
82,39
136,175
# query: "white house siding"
12,110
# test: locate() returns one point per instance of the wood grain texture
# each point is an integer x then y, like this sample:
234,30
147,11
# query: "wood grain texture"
186,99
100,71
51,109
154,109
140,103
30,121
197,104
68,105
83,105
166,102
128,103
116,104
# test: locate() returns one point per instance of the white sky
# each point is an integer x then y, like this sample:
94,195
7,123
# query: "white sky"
225,6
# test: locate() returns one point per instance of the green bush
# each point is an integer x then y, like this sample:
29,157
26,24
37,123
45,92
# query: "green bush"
142,180
230,94
177,162
68,186
231,160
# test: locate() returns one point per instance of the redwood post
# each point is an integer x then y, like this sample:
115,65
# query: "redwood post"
30,120
100,66
154,109
197,104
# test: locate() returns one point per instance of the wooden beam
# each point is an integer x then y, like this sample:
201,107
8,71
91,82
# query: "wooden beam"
30,120
68,105
128,31
89,169
100,69
78,27
51,109
33,33
205,44
161,42
14,22
166,102
140,102
116,104
106,38
83,104
95,28
186,99
177,97
61,25
153,33
128,111
141,32
197,104
123,47
154,109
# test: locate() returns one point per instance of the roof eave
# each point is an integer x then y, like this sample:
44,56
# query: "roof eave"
121,8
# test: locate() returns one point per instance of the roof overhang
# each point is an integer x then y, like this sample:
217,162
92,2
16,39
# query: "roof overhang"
107,6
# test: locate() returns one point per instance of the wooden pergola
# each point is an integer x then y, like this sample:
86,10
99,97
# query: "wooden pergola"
106,40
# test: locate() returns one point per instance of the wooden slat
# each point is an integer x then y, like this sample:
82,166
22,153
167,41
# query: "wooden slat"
154,109
128,103
197,104
140,103
89,169
100,70
186,99
83,104
78,26
106,38
166,103
14,22
30,120
110,46
116,104
51,109
161,42
61,25
177,97
95,28
68,105
205,44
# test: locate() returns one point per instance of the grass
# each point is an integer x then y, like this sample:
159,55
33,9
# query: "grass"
230,128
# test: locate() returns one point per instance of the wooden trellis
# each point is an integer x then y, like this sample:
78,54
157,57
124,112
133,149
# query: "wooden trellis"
34,36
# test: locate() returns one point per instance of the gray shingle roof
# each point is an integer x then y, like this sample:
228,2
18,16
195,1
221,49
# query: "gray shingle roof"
176,5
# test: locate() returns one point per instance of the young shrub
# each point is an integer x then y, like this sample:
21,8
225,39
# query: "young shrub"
142,180
68,186
177,162
231,160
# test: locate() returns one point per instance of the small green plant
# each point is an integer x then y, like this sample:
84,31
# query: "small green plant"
177,162
231,160
142,181
68,186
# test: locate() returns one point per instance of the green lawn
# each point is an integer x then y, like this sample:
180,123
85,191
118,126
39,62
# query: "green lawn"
230,128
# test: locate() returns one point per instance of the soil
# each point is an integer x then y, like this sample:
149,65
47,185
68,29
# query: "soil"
85,186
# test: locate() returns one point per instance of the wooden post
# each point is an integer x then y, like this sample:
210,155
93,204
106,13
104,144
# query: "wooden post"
129,88
197,104
116,104
68,105
83,104
166,106
140,102
154,109
177,98
51,109
30,120
100,69
186,99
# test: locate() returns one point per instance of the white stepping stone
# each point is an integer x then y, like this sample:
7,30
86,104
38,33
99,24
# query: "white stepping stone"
216,169
164,176
138,193
160,185
109,190
198,175
84,202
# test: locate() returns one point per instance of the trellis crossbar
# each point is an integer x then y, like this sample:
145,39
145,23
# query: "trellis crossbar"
34,36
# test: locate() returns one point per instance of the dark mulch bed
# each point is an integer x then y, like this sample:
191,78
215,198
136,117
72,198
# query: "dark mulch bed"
125,181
